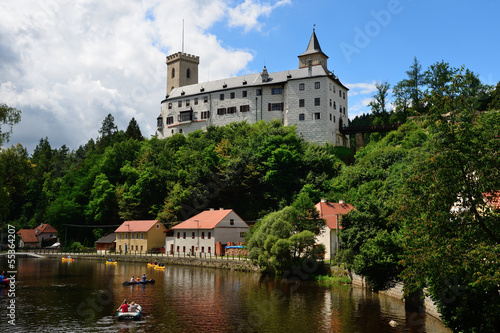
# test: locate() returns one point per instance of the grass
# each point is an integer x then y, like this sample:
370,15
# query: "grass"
332,279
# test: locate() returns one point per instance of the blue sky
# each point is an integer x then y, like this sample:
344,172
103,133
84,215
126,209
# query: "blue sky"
66,65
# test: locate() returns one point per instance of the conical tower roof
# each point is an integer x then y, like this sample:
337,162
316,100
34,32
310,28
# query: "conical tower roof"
313,46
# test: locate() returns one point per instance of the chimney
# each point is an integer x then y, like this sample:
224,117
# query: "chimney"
341,202
211,209
323,200
221,208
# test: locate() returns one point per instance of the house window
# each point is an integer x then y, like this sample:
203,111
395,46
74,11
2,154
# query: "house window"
231,222
119,236
137,235
317,101
244,108
184,249
205,114
231,95
242,234
178,235
132,236
209,235
258,92
184,235
157,226
142,235
126,236
209,249
276,91
202,249
302,116
196,101
221,111
192,249
203,235
192,235
244,93
301,103
120,248
221,97
231,109
317,85
317,115
141,248
301,86
137,247
177,248
169,106
275,107
205,99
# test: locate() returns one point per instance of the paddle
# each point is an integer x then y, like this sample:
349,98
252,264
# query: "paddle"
121,305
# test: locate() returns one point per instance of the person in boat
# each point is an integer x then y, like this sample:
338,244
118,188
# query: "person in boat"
138,279
123,307
133,307
144,277
2,277
132,279
156,263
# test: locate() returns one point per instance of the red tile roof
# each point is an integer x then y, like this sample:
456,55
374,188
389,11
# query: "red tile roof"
330,210
136,226
28,235
204,220
47,228
493,199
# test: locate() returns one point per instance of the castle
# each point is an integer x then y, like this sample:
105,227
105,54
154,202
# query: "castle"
311,97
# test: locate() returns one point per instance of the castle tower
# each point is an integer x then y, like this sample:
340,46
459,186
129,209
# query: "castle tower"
313,55
182,70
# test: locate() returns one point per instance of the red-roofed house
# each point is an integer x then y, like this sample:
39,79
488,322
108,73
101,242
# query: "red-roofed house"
200,233
139,236
493,199
332,213
34,237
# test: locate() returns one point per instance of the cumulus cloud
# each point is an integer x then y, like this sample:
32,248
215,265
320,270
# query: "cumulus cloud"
66,65
361,88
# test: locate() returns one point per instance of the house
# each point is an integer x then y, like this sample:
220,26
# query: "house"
106,244
202,232
43,235
311,98
329,235
139,236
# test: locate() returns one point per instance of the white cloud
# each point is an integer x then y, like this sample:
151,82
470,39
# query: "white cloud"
66,65
247,14
361,88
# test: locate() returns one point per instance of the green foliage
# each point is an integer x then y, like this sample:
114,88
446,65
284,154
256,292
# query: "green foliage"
8,116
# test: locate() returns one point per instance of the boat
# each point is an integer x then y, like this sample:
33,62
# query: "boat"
111,262
130,314
129,283
152,265
68,259
160,267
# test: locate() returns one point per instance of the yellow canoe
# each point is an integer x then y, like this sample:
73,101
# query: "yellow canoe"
111,262
160,267
67,259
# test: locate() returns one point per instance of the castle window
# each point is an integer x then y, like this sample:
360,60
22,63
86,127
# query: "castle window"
317,85
179,103
244,93
302,116
275,107
340,93
330,117
231,109
221,97
333,88
180,130
170,120
188,73
244,108
187,102
258,92
276,91
221,111
205,99
344,94
334,105
185,116
173,73
301,86
231,95
205,114
196,101
333,118
302,103
330,102
317,115
317,101
169,106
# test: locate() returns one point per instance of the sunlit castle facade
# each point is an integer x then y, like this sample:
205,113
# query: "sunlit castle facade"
311,97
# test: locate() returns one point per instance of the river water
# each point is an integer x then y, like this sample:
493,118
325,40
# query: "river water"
82,296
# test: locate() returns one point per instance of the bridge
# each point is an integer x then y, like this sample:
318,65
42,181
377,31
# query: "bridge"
24,254
360,130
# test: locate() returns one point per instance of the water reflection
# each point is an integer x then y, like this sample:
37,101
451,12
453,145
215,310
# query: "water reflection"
83,295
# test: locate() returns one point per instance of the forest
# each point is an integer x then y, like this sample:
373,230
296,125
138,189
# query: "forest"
423,194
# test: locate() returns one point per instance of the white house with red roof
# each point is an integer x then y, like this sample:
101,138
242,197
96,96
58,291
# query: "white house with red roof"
200,233
332,213
139,236
34,237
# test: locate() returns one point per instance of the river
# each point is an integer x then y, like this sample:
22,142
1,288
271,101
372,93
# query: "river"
82,296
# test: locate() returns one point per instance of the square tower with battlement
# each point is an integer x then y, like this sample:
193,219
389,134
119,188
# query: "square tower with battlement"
182,70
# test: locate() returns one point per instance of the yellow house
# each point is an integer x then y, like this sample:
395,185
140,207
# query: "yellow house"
139,236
